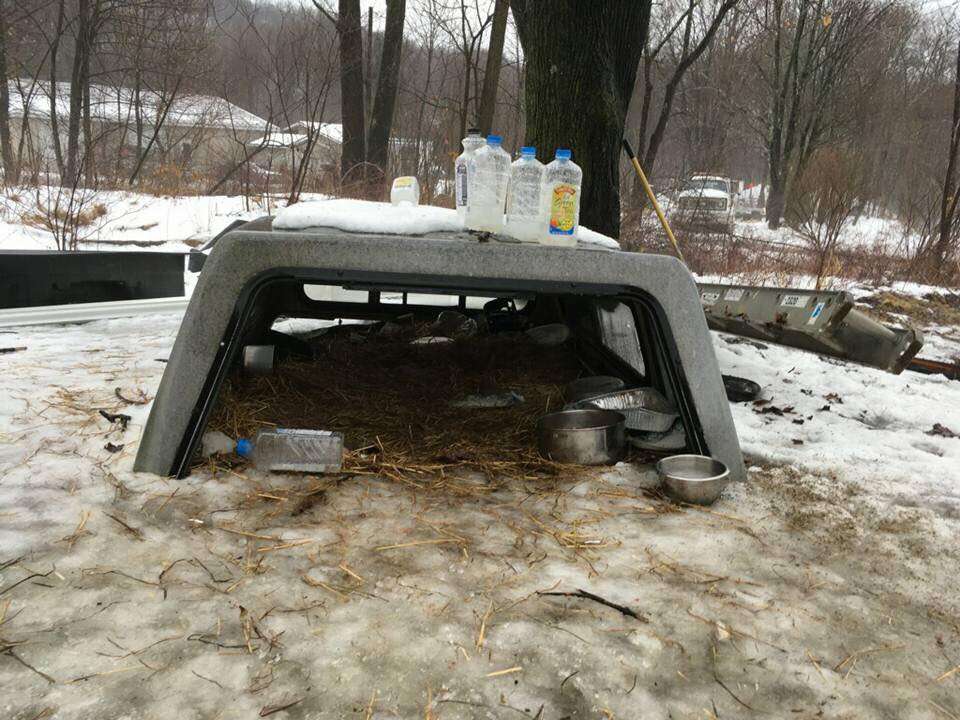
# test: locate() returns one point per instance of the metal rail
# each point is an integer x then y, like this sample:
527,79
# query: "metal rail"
824,322
928,366
84,312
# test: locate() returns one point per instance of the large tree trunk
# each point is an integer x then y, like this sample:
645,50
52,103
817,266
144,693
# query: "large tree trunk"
381,119
351,89
776,200
491,74
581,65
10,171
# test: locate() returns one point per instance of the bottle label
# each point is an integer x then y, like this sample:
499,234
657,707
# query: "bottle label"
305,433
461,184
563,209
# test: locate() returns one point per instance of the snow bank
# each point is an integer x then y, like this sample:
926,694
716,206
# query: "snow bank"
858,423
121,219
867,234
591,237
364,216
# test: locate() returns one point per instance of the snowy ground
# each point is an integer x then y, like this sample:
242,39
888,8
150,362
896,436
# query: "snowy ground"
870,234
824,587
865,233
177,223
157,222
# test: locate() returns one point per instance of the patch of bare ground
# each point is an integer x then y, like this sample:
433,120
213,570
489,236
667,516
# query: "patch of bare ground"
931,309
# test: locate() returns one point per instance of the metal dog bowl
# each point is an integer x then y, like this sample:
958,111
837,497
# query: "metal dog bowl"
694,479
644,408
740,389
592,386
582,437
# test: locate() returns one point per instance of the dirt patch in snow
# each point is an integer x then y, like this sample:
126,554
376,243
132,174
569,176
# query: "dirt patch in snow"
932,308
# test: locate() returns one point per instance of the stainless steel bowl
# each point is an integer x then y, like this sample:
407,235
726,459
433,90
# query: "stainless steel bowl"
694,479
644,408
582,437
592,386
259,359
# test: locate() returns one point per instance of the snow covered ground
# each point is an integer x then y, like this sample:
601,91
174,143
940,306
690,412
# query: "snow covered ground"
159,222
866,233
823,587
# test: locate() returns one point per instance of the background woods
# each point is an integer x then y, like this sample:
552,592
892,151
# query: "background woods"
339,96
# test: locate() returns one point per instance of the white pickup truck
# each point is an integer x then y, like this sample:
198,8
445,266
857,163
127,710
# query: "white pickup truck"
707,200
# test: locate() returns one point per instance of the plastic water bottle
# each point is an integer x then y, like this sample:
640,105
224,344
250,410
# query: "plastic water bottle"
524,209
287,450
471,143
489,173
561,197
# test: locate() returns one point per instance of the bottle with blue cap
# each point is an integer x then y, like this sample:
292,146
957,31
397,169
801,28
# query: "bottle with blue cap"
489,173
524,209
561,200
294,450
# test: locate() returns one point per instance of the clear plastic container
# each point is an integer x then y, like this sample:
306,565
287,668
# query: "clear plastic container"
405,191
561,198
489,174
471,143
524,208
289,450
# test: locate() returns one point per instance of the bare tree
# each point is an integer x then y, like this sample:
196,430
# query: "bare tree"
811,44
428,110
88,20
350,35
824,200
464,24
491,75
689,52
53,42
381,118
163,46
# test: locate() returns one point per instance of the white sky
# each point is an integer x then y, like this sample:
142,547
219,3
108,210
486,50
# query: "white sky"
947,8
379,8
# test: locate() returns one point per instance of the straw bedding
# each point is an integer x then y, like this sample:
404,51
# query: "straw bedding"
393,401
